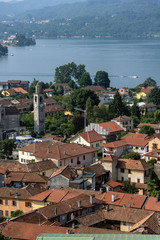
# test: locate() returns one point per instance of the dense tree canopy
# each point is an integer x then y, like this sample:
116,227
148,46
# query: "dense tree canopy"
117,107
7,146
146,129
79,98
154,96
3,50
85,80
68,72
150,82
101,79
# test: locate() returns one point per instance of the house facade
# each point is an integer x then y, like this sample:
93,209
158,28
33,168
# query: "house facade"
62,154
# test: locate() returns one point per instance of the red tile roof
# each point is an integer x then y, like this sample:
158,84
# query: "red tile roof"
136,139
91,136
20,90
109,158
132,200
28,231
133,164
152,204
154,126
111,127
41,196
114,184
115,144
58,150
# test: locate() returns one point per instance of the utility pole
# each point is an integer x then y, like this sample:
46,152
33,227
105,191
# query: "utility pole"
85,116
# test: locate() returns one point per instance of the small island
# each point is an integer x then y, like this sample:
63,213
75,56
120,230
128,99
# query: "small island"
3,50
19,40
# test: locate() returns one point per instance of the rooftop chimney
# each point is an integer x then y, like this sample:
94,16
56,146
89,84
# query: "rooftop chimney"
79,204
107,208
157,198
55,210
113,197
92,199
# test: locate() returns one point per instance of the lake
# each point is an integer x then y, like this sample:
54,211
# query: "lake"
128,62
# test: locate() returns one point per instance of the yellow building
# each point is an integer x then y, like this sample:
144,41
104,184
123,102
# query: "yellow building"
141,95
13,199
154,142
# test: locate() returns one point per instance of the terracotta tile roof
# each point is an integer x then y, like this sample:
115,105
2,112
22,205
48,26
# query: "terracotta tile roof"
20,90
133,164
5,102
115,144
53,108
154,126
132,200
91,136
152,204
153,154
25,100
95,88
97,168
26,168
18,81
147,89
122,118
109,158
41,196
48,90
114,184
91,230
25,177
111,127
4,83
97,194
67,206
19,193
65,171
41,166
136,139
114,213
157,135
28,231
138,224
58,150
49,101
57,195
64,85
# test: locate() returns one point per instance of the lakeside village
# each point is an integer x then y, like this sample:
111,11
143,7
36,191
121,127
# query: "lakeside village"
79,160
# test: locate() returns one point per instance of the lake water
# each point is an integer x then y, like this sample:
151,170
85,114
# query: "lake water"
128,63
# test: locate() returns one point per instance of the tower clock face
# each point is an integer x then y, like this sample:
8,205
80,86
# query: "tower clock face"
35,105
41,105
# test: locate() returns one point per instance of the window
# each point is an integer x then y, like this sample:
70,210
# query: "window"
122,170
129,171
6,202
97,144
1,213
138,180
94,154
13,203
60,163
124,223
28,204
44,174
122,179
137,147
1,202
71,160
84,158
78,162
6,213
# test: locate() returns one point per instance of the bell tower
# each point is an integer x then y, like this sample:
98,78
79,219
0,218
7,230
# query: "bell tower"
39,110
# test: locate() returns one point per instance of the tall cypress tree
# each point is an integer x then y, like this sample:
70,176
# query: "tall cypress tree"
117,107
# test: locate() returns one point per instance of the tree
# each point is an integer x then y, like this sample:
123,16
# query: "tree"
3,50
135,111
7,146
157,116
27,120
128,187
85,80
79,98
68,72
154,96
16,213
59,90
150,82
101,79
133,156
146,129
31,90
117,107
